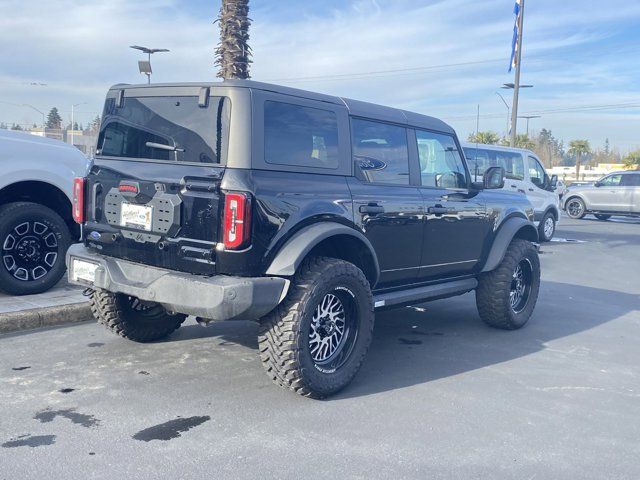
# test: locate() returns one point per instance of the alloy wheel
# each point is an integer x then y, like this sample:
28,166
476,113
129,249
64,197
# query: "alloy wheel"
521,286
30,251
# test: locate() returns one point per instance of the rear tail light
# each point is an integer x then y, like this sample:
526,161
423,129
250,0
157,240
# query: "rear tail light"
78,200
237,220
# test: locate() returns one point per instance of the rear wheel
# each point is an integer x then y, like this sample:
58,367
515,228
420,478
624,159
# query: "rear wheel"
33,243
132,318
575,208
602,216
547,227
507,295
315,341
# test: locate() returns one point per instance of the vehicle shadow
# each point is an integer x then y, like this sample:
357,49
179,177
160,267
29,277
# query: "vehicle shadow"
445,338
419,344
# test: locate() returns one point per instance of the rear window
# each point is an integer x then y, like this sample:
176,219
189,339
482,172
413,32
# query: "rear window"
173,129
300,136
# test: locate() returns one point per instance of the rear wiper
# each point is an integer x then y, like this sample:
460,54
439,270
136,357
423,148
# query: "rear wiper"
162,146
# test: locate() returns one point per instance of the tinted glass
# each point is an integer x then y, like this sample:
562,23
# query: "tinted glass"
441,164
143,125
611,181
380,152
479,159
536,172
302,136
630,180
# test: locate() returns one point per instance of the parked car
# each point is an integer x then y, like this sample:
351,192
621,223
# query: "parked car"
614,194
243,200
36,225
526,175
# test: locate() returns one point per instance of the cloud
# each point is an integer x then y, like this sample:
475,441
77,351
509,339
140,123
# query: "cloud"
575,52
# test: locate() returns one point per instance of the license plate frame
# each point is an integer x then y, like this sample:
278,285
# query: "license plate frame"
139,217
83,271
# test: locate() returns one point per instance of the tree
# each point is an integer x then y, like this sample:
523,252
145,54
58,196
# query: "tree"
54,120
3,126
522,141
94,126
487,138
233,52
632,160
15,126
579,148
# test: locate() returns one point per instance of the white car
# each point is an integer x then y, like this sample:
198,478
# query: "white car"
524,174
36,221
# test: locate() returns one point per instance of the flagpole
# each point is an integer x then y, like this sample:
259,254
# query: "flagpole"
516,83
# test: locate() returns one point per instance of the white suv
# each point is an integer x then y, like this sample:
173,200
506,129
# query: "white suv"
524,174
36,223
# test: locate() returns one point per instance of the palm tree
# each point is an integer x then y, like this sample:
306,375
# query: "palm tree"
486,138
632,160
522,141
233,52
579,148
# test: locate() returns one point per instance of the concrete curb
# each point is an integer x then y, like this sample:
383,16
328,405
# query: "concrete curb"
44,317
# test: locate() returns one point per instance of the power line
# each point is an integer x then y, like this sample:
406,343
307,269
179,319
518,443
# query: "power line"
577,108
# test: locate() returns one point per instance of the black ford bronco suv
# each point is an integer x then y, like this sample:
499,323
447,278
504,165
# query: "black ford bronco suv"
243,200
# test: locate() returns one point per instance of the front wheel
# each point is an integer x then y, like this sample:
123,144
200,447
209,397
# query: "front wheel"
547,227
575,208
315,341
506,296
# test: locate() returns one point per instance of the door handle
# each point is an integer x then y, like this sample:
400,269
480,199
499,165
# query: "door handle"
531,189
371,208
521,190
440,210
514,186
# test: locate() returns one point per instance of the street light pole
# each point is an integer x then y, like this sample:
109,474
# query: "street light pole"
528,117
508,111
516,85
145,67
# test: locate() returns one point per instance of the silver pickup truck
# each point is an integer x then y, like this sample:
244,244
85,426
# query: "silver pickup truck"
36,221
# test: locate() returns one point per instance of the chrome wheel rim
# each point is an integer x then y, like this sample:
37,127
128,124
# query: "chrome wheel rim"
548,227
574,208
520,286
333,331
30,251
328,327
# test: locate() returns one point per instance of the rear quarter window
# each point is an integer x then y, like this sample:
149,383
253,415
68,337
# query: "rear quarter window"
300,136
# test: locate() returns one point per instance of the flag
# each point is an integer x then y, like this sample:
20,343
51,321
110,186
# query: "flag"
514,41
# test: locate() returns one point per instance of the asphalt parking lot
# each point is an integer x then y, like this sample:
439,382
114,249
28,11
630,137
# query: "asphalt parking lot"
440,396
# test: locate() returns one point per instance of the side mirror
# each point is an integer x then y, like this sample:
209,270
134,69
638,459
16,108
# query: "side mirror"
597,184
493,178
554,181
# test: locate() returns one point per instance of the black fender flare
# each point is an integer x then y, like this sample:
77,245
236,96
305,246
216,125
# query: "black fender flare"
507,232
294,251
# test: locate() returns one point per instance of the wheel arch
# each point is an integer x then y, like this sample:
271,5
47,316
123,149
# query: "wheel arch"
327,239
42,193
512,227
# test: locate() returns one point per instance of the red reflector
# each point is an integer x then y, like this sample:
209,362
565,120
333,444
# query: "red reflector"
128,188
78,200
236,220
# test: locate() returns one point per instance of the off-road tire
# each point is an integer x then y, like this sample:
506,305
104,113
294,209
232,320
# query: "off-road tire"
493,292
125,316
13,215
284,333
602,216
544,237
582,210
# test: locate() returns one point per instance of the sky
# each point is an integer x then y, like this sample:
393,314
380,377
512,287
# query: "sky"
440,58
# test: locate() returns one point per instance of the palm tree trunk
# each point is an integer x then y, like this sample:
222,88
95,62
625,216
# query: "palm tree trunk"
233,52
578,167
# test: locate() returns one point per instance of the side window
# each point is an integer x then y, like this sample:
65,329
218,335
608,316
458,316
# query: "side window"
479,160
536,172
380,152
630,180
301,136
611,181
441,164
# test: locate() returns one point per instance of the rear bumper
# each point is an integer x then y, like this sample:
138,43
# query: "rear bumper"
216,298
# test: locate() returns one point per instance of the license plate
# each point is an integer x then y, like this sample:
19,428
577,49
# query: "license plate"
136,216
83,271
